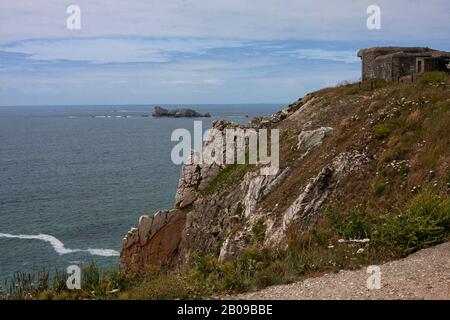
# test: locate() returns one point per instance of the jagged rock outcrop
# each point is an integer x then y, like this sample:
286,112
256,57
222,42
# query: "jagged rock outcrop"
216,209
267,122
311,139
304,210
159,238
155,241
195,174
187,185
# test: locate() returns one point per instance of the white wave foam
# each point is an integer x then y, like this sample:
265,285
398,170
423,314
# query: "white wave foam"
58,246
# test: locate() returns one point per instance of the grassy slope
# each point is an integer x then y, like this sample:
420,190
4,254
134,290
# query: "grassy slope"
398,124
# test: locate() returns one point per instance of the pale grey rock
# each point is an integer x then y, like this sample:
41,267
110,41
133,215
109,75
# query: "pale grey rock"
254,194
306,206
225,251
311,139
188,182
277,181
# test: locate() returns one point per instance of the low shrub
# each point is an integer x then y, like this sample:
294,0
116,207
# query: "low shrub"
432,78
425,221
379,188
421,222
259,230
382,131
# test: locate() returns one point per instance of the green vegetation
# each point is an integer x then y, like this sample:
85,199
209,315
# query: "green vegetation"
229,176
360,87
403,170
424,221
421,222
95,284
259,230
432,79
382,131
240,208
379,188
354,224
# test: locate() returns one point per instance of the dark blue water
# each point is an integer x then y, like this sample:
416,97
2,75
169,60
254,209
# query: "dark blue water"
77,178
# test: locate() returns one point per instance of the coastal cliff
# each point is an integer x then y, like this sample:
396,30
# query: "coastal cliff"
339,147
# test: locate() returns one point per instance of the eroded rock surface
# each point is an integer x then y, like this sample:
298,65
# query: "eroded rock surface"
306,207
220,220
311,139
155,241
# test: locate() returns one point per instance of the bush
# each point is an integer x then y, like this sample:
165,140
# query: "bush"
229,176
432,78
447,179
240,208
382,131
266,277
169,286
355,224
425,221
379,187
259,230
421,222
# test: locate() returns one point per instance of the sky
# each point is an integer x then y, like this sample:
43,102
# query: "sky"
198,51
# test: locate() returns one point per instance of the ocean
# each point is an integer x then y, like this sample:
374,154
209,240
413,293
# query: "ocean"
74,179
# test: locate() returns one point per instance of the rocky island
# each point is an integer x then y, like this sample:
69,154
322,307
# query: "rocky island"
178,113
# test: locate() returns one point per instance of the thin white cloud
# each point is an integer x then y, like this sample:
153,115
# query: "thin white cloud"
177,82
114,50
262,79
167,34
212,81
322,54
343,20
198,81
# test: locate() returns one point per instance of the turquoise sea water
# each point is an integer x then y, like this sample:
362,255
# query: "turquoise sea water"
73,180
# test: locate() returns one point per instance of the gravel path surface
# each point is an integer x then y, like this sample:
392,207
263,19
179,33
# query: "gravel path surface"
422,275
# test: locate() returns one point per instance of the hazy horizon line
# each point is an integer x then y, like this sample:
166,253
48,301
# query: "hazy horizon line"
140,105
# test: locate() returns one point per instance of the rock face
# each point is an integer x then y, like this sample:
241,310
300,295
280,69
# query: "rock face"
217,207
155,241
304,210
311,139
178,113
159,239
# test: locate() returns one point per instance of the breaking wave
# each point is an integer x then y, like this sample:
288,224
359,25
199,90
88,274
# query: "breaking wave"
58,246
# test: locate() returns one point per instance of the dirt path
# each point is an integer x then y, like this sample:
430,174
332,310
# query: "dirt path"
423,275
